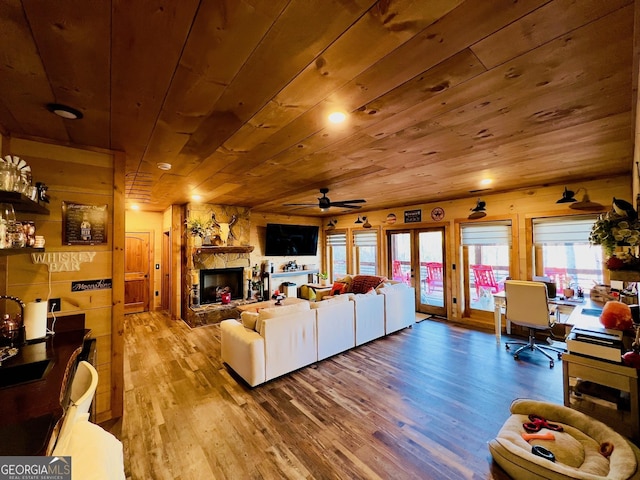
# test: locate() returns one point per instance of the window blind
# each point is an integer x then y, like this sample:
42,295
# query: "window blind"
365,239
337,239
490,233
562,230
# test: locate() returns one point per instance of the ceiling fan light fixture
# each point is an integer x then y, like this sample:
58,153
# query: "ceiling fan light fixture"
164,166
359,220
64,111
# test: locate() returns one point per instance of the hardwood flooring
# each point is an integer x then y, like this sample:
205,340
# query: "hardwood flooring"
421,403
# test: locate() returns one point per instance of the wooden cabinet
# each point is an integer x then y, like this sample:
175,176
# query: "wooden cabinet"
603,390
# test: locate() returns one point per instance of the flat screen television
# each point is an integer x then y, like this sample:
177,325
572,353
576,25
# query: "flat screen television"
291,240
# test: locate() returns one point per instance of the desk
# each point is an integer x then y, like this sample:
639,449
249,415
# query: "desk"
605,380
30,409
500,301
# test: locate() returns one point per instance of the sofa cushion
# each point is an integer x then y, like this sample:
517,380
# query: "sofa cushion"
338,288
272,312
280,311
327,301
362,283
249,319
346,279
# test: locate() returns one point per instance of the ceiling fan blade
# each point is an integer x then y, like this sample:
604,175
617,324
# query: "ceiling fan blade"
360,200
340,205
299,204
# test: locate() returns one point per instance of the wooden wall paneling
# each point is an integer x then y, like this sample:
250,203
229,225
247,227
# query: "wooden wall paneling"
92,177
117,325
177,249
635,100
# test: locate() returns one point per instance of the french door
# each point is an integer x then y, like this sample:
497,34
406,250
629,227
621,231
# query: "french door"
417,258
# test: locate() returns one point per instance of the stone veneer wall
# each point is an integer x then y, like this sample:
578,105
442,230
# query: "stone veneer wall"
194,260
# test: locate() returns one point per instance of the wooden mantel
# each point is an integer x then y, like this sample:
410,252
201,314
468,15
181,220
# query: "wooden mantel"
210,249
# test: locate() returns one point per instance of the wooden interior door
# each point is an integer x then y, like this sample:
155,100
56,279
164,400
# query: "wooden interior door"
136,272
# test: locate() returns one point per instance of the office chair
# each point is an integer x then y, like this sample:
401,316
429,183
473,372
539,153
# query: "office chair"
526,305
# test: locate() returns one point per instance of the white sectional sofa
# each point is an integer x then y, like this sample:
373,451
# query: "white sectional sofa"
277,340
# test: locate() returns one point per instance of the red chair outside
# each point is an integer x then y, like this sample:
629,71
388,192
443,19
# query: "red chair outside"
398,275
434,278
559,277
484,278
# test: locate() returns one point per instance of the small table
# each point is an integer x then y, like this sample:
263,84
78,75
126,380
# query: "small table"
254,307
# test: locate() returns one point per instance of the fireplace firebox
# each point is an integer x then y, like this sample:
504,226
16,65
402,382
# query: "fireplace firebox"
214,282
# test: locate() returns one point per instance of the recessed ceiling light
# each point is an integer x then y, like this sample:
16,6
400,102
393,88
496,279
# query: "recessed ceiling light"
196,198
337,117
163,166
135,206
64,111
486,181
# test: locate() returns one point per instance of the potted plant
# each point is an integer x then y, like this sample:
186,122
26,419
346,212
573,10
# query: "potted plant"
619,235
322,278
197,228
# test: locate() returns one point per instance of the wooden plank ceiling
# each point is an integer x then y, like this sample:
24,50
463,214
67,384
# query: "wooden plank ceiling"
234,94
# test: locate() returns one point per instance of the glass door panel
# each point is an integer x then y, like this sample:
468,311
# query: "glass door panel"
430,278
400,256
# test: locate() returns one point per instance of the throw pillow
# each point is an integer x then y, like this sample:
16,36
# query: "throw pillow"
338,288
362,283
249,319
348,279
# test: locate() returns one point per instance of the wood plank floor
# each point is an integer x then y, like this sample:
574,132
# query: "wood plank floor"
421,403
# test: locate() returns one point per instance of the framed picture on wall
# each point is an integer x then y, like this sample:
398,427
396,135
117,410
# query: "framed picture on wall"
84,224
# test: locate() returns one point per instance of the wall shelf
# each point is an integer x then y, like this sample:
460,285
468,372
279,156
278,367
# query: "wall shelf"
22,203
6,252
293,273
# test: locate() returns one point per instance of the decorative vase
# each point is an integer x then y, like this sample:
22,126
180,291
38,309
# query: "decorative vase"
197,241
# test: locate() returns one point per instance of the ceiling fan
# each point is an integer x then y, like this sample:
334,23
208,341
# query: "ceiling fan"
324,203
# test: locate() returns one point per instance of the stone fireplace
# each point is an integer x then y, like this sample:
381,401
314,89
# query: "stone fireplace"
209,269
214,281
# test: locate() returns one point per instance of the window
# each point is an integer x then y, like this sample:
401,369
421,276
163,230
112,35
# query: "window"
337,254
365,252
486,247
563,253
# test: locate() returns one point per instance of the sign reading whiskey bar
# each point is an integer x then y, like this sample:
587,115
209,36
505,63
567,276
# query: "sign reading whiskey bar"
84,224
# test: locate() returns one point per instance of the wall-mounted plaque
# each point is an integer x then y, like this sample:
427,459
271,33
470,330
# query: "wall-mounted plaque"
84,224
412,216
84,285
